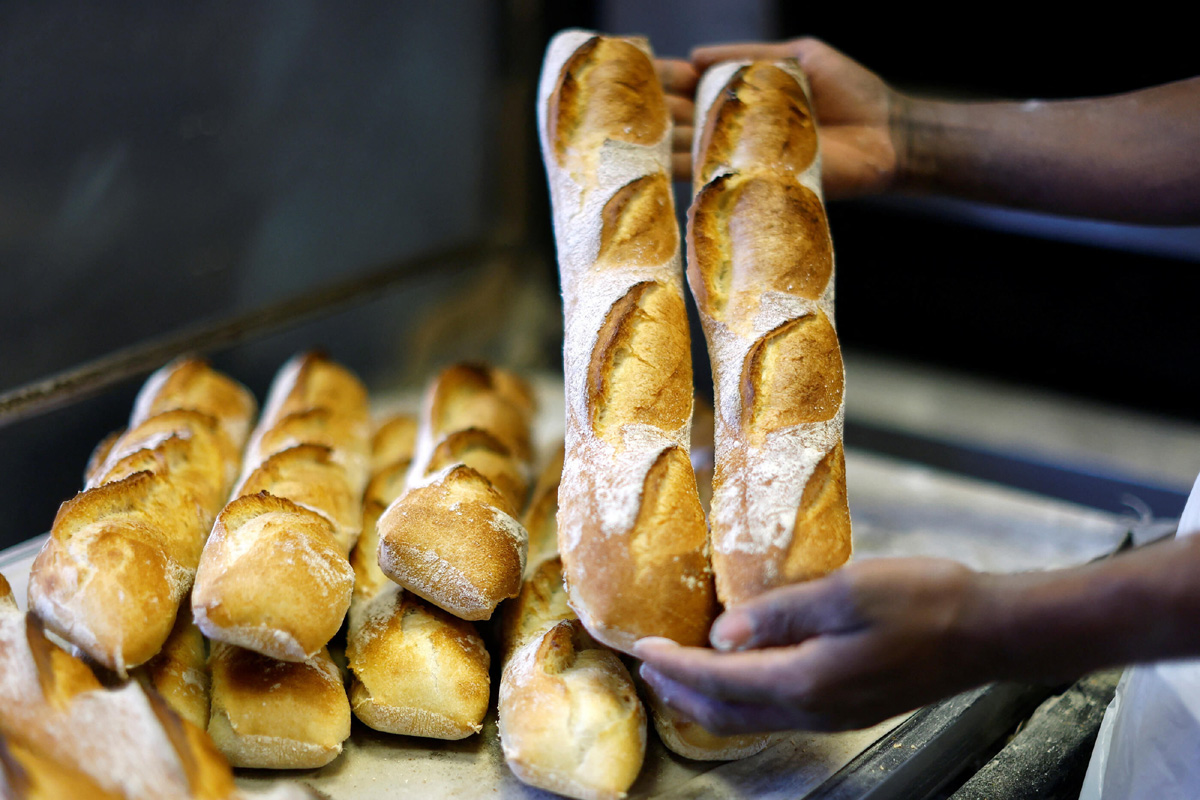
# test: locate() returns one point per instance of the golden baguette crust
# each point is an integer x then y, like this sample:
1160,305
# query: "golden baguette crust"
480,396
114,569
122,554
271,714
606,90
179,672
274,577
126,740
539,518
394,440
631,532
452,542
570,720
418,670
761,270
453,537
7,601
341,435
26,774
313,380
308,475
192,384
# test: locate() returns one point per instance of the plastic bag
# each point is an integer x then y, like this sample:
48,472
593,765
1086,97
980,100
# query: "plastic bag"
1149,742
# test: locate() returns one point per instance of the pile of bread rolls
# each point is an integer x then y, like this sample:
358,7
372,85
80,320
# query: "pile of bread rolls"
214,557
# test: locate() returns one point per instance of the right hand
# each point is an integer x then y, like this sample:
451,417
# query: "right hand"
853,106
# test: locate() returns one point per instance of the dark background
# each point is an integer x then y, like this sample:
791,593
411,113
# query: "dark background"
169,165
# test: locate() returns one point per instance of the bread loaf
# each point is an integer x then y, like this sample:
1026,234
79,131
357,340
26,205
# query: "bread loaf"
760,265
271,714
542,512
273,579
570,719
26,774
452,537
275,576
631,532
122,554
126,741
180,672
416,669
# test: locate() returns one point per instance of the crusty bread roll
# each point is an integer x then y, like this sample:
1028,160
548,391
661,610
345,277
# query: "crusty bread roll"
631,532
570,719
26,774
452,537
122,554
542,512
192,384
417,670
273,579
760,265
275,576
126,740
180,671
273,714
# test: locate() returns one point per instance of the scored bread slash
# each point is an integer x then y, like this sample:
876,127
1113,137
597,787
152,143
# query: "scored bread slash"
453,537
631,531
760,266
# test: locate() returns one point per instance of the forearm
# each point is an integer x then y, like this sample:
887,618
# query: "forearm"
1138,607
1132,157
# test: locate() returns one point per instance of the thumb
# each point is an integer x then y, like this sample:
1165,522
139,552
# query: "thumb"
784,616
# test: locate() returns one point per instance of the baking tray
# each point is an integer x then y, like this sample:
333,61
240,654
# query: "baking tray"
898,508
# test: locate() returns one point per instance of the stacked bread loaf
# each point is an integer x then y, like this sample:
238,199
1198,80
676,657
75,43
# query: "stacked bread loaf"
122,554
275,579
62,735
275,576
179,672
417,670
570,720
631,531
452,538
760,266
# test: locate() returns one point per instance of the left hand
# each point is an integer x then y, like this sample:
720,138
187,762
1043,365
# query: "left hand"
863,644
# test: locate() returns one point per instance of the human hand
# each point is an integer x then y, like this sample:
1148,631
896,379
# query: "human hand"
855,109
869,641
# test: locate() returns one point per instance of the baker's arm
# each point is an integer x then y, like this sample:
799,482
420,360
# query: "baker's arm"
1128,157
881,637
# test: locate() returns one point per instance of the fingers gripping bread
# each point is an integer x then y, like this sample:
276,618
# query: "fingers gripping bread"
631,532
452,537
417,670
761,269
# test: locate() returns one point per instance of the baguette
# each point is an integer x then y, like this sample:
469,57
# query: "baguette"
275,576
416,669
570,719
122,554
761,269
126,740
452,537
631,531
179,673
25,774
271,714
